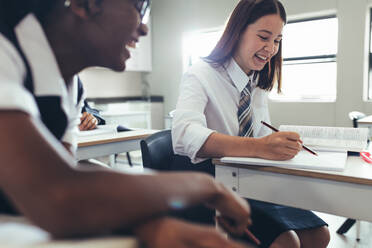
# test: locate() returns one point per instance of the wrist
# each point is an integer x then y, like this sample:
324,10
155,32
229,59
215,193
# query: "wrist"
252,147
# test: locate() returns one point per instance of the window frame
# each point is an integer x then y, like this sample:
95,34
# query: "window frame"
369,85
317,59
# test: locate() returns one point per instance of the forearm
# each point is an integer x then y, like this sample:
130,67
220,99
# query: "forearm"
219,145
94,202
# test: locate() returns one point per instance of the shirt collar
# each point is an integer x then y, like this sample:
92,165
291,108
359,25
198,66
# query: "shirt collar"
238,76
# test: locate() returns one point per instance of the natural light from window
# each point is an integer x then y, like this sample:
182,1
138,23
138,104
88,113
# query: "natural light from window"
199,44
309,67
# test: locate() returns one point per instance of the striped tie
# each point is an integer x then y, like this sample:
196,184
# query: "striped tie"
245,112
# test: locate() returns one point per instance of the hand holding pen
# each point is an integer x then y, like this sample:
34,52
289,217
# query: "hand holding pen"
276,130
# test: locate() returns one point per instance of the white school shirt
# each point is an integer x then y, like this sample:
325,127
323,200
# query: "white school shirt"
208,102
47,78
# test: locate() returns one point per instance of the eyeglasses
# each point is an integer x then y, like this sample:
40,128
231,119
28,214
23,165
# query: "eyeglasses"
143,7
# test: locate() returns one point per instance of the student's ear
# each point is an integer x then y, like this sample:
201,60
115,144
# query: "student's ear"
85,8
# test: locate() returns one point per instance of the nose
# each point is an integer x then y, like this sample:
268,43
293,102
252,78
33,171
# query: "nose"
142,29
270,47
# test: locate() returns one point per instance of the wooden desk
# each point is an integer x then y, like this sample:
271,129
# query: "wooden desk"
18,232
365,121
347,193
112,143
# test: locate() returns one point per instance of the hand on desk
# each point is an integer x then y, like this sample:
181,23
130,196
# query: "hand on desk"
170,233
87,122
280,146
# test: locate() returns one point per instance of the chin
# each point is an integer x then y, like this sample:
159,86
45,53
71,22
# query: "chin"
118,67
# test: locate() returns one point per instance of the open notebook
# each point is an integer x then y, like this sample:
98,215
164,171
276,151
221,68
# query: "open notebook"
104,129
327,161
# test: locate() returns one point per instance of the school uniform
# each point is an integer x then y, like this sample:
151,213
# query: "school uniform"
209,102
31,82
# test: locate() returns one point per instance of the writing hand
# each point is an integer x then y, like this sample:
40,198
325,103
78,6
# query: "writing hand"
280,145
87,122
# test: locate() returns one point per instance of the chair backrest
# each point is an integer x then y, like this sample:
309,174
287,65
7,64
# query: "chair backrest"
355,116
157,150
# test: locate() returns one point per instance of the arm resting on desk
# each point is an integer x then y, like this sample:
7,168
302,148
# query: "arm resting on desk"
36,174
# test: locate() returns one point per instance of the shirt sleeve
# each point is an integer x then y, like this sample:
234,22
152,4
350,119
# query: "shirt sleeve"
189,126
13,94
73,116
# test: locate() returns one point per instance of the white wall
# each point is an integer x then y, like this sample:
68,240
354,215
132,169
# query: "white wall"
172,18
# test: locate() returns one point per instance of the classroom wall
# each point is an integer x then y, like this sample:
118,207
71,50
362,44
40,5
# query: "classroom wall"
172,18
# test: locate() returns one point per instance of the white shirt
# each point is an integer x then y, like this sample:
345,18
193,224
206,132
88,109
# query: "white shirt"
208,102
47,77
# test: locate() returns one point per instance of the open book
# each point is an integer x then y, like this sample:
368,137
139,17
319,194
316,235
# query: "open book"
331,138
330,143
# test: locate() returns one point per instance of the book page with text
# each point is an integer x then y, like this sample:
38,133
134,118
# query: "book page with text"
351,139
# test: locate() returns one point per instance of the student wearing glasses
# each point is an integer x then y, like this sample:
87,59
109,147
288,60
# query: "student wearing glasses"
43,43
223,99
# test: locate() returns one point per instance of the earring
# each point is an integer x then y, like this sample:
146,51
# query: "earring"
67,3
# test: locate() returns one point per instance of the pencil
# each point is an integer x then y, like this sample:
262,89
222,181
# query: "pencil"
251,236
276,130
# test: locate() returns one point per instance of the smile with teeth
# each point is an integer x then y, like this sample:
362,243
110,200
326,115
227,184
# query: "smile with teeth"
265,59
131,44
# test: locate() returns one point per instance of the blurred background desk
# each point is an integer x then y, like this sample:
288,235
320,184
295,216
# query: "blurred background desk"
94,146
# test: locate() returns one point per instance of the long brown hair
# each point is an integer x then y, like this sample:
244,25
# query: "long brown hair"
244,14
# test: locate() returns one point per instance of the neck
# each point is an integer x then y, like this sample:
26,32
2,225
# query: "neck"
239,61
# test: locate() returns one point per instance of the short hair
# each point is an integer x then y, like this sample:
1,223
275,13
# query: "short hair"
244,14
15,10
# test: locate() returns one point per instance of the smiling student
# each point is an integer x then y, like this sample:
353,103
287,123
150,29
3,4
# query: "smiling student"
43,44
223,99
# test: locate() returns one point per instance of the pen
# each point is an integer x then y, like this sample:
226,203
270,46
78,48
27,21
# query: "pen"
276,130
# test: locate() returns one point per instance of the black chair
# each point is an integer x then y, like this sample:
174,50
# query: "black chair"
354,116
157,154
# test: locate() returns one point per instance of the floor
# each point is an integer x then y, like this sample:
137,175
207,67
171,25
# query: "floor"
347,240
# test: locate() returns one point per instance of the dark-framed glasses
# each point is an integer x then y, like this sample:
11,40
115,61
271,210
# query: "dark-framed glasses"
143,7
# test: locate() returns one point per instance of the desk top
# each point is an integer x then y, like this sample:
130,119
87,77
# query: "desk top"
356,171
114,137
365,120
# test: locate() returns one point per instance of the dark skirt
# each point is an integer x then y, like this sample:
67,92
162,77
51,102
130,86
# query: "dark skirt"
271,220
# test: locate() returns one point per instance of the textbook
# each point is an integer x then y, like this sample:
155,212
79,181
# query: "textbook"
331,138
327,161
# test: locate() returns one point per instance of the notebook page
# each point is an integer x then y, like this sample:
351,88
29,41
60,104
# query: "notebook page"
325,161
104,129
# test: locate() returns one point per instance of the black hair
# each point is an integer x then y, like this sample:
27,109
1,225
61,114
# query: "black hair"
12,11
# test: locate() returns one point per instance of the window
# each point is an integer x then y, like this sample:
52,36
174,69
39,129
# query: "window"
309,61
199,44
